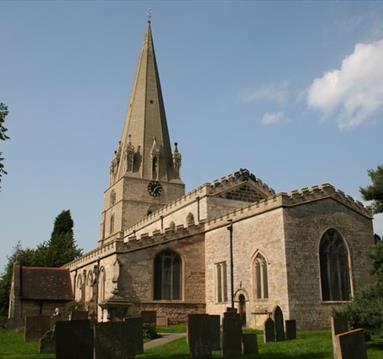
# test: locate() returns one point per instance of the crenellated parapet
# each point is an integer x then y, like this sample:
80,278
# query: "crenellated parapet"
295,198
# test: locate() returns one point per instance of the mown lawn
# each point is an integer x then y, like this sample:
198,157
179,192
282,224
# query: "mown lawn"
309,345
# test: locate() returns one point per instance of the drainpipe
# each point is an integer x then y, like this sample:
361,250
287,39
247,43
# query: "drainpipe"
230,229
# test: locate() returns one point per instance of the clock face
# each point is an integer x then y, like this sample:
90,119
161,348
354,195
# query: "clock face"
154,188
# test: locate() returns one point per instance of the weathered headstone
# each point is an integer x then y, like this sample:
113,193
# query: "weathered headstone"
117,340
47,342
149,318
74,339
203,335
79,315
278,323
269,331
36,326
232,335
291,329
339,324
249,343
135,340
350,345
162,321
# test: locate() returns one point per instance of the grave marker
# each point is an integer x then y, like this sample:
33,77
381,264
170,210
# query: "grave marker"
339,324
249,343
350,345
278,323
232,334
36,326
149,318
291,329
269,331
47,342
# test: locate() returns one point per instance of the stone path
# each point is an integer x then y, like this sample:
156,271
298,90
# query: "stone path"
165,338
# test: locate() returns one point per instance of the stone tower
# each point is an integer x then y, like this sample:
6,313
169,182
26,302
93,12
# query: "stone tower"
144,172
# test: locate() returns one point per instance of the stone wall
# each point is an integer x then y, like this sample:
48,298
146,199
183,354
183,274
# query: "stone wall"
304,228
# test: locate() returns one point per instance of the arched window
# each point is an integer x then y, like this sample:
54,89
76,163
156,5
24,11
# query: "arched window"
89,286
334,267
189,219
167,276
261,277
172,226
111,227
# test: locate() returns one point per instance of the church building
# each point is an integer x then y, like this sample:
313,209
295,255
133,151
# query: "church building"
232,242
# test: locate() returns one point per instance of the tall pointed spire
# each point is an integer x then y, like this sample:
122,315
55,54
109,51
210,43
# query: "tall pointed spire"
145,125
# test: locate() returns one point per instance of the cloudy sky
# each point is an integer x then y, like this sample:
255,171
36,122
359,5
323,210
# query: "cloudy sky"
290,90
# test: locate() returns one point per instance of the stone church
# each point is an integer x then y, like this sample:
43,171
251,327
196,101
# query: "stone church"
232,242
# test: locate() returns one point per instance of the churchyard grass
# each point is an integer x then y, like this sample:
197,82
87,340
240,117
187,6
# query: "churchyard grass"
180,328
309,345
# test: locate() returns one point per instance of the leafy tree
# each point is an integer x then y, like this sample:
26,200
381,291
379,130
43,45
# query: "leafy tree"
61,248
3,136
374,192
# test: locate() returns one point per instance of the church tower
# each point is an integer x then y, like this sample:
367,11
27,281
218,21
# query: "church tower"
144,172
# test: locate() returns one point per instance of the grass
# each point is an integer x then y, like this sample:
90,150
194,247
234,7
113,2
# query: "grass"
308,345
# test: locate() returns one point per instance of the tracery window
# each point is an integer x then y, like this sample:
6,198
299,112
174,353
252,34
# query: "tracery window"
221,282
167,276
334,267
261,277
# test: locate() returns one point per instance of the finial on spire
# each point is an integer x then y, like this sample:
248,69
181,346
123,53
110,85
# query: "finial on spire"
149,15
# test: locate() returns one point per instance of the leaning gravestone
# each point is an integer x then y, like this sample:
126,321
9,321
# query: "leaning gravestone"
74,339
203,335
269,331
149,318
291,329
36,326
118,340
350,345
339,324
278,323
47,342
79,315
232,335
249,343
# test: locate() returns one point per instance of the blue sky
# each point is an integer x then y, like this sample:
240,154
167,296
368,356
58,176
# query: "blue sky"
290,90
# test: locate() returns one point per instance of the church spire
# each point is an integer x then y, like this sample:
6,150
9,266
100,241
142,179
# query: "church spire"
145,126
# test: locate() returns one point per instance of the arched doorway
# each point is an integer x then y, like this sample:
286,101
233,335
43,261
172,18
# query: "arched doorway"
242,309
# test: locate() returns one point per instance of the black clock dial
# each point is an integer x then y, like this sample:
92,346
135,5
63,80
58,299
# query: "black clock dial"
154,188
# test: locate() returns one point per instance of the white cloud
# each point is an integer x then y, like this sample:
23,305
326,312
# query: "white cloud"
273,92
272,118
354,92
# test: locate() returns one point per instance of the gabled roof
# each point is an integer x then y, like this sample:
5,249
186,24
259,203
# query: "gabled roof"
45,283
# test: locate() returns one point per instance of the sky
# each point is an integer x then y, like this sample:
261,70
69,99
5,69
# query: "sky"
291,91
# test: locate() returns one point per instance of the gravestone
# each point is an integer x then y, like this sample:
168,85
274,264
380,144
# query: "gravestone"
203,335
232,334
79,315
135,340
249,343
278,324
118,340
350,345
162,321
291,329
269,331
149,318
74,339
339,324
36,326
47,342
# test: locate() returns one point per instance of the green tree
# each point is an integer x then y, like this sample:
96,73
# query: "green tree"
61,248
374,192
3,136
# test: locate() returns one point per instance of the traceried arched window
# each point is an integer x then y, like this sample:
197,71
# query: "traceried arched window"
167,276
261,277
190,219
334,267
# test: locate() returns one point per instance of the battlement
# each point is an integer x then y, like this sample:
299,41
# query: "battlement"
135,243
296,197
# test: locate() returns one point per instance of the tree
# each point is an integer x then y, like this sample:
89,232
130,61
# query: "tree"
61,248
374,192
3,136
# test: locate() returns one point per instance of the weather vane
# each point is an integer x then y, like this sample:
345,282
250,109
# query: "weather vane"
149,15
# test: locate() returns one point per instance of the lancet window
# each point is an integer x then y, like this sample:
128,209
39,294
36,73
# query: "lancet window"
221,282
261,277
334,267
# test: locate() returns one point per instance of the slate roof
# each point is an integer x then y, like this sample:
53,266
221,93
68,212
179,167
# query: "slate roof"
46,283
